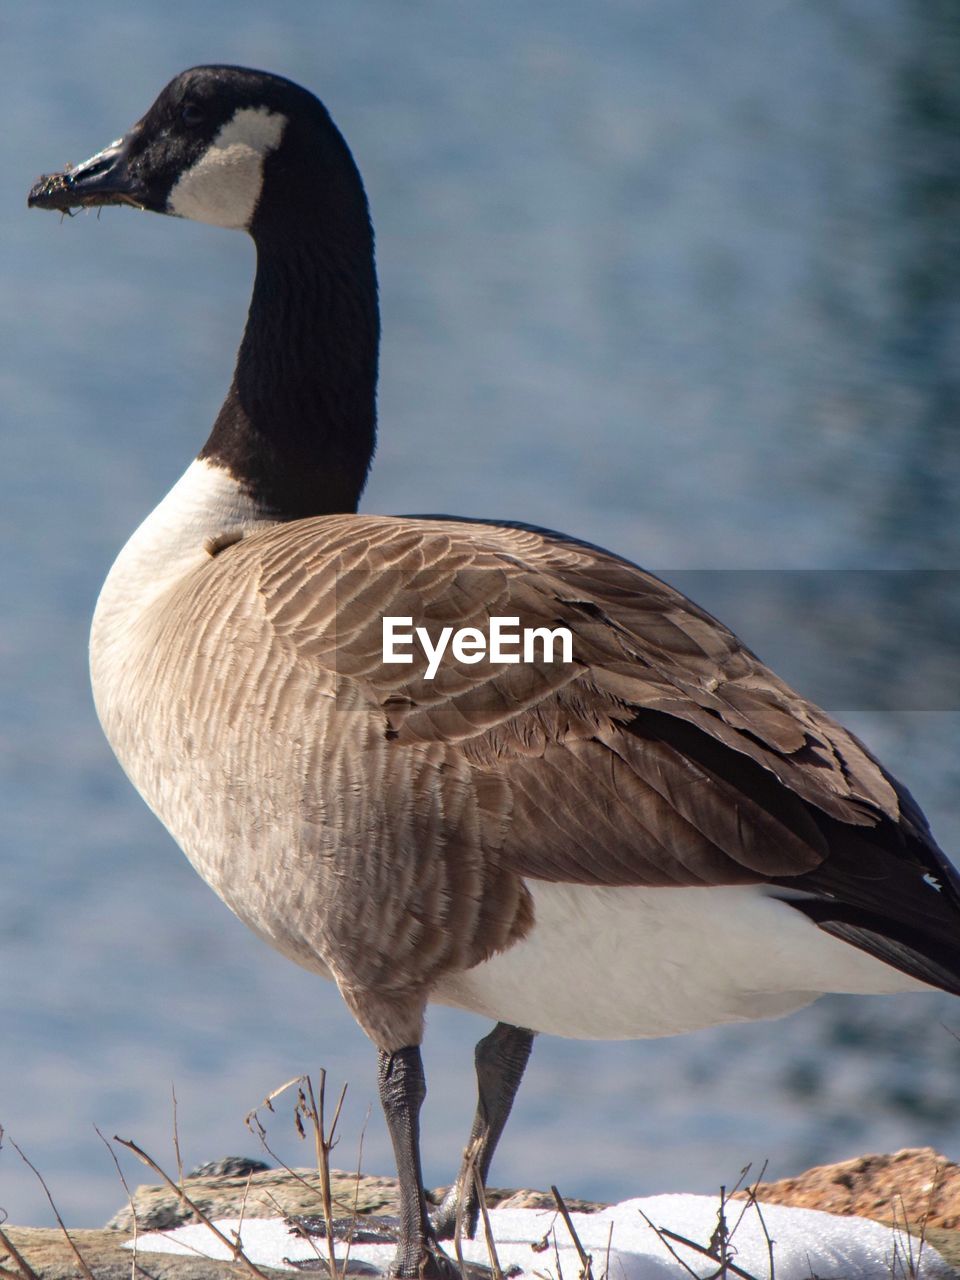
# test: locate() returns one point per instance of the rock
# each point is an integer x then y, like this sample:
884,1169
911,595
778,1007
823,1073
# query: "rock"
537,1200
269,1193
275,1192
917,1184
50,1257
229,1167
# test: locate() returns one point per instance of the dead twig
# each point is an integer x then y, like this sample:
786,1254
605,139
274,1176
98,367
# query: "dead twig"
749,1193
81,1262
752,1200
703,1250
719,1246
24,1270
586,1261
236,1252
662,1235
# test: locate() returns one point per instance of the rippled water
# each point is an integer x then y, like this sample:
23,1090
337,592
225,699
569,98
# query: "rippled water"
679,278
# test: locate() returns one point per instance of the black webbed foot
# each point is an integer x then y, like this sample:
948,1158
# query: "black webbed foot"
368,1229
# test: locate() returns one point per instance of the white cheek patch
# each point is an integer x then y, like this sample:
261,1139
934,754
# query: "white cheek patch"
224,185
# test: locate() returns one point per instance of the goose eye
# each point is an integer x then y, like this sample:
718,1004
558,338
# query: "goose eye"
191,114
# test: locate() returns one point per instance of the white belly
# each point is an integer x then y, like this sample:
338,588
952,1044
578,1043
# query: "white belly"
623,963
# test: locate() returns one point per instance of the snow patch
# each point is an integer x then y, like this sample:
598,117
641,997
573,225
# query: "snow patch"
806,1243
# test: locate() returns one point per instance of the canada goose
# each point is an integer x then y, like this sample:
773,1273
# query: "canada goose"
654,837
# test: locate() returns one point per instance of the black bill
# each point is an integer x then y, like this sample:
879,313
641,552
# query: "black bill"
104,179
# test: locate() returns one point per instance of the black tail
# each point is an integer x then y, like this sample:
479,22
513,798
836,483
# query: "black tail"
920,955
890,891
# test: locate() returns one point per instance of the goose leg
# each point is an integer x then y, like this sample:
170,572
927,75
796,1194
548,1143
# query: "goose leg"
501,1058
402,1090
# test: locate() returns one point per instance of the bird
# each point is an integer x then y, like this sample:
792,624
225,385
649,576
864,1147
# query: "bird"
650,835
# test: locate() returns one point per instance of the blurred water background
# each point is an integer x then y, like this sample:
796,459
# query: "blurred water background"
681,278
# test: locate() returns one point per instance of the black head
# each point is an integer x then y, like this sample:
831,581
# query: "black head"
240,148
205,149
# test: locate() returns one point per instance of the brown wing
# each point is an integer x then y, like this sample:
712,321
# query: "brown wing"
664,754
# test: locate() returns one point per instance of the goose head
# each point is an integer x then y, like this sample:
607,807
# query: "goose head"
253,151
223,145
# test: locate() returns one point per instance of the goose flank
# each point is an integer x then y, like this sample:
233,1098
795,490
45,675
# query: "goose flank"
655,837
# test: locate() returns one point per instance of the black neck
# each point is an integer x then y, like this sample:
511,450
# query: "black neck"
298,426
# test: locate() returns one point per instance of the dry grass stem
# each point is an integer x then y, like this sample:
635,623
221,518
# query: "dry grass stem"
458,1243
255,1125
586,1261
469,1163
768,1238
261,1135
24,1270
81,1263
134,1266
238,1231
487,1230
914,1263
606,1257
323,1145
556,1254
903,1255
236,1251
355,1211
310,1106
176,1137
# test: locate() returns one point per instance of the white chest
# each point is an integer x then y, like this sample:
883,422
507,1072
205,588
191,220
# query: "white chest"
170,723
176,538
